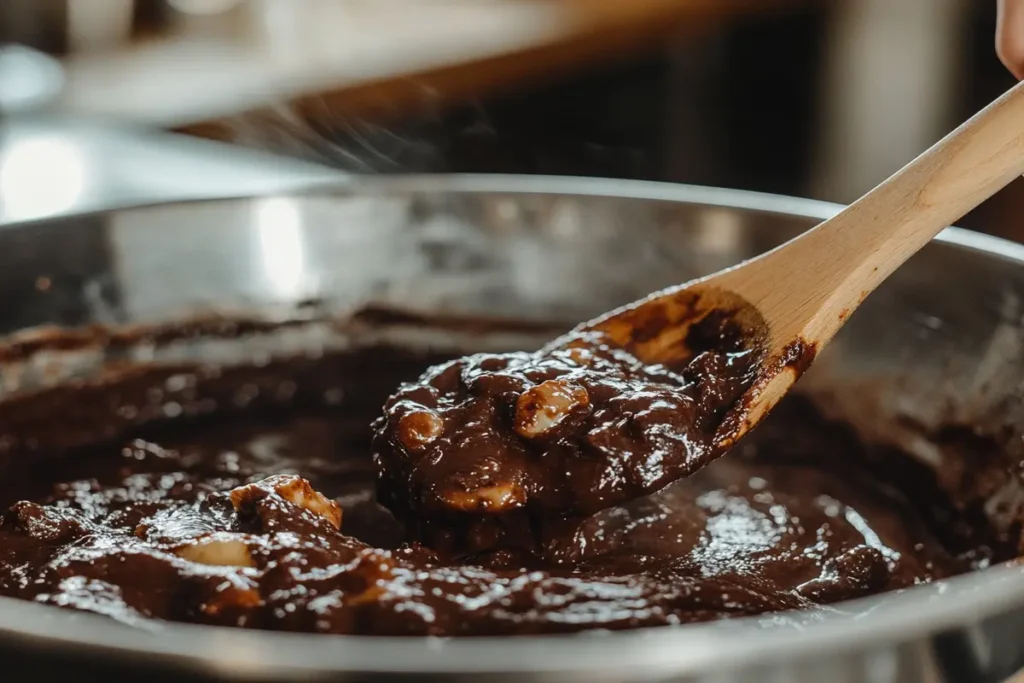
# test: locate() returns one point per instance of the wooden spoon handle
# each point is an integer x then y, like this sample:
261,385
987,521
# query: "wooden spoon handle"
842,260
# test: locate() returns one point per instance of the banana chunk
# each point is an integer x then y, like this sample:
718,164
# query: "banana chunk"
293,489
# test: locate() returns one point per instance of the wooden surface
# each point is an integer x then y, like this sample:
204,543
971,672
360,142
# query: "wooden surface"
367,54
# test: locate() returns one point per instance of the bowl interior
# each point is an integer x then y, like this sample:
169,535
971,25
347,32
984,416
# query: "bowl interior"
939,343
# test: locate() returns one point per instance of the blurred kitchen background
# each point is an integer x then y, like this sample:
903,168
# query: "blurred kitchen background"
108,102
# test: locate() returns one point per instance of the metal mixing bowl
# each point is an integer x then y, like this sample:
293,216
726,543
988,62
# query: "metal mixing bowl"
941,340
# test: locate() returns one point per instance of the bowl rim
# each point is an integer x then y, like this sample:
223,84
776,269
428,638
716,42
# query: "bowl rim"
880,621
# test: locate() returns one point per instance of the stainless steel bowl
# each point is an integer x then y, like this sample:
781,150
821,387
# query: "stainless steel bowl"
940,341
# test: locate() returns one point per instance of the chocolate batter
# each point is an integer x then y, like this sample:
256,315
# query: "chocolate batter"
494,447
265,515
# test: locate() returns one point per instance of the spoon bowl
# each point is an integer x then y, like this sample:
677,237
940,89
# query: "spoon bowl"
677,327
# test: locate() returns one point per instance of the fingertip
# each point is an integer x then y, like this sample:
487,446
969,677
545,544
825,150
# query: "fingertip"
1010,36
1011,54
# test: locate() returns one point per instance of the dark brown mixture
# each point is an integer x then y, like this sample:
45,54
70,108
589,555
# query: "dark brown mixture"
492,447
265,517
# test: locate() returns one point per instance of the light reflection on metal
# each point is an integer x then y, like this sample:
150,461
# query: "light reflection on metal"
41,176
282,255
28,78
203,6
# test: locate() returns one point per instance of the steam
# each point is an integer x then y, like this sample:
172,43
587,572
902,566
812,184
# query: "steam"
384,142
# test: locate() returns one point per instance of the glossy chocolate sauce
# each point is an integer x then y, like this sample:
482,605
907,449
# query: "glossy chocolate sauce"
488,450
265,515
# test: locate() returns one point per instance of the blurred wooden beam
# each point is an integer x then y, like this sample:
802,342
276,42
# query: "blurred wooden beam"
371,56
594,31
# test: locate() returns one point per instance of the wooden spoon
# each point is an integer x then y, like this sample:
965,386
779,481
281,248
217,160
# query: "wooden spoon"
792,300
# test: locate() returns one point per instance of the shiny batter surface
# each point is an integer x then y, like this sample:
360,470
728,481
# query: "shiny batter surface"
268,519
485,451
